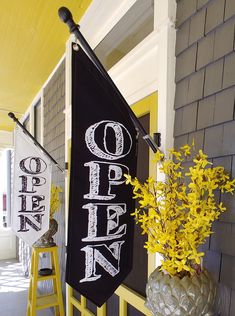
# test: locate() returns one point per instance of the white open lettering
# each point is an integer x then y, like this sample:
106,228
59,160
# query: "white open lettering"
105,219
120,137
107,257
102,176
109,215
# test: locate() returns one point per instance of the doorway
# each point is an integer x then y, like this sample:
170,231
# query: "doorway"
7,238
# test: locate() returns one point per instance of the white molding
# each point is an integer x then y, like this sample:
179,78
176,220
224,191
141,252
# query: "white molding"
68,91
42,117
139,69
7,244
166,69
6,139
164,13
67,112
101,17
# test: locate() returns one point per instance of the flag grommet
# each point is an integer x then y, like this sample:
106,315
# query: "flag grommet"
75,47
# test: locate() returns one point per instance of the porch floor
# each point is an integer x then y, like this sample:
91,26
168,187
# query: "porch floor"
14,290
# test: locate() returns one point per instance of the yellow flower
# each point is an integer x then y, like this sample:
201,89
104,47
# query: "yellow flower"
177,213
186,150
159,156
176,154
55,199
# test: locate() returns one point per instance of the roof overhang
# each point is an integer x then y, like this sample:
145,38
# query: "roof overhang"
33,41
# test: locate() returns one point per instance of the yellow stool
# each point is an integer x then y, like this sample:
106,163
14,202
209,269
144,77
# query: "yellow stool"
54,299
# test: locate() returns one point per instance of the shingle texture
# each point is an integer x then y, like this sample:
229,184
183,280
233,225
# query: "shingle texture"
196,84
213,77
224,39
185,64
229,9
215,14
54,142
201,3
204,104
181,93
185,9
205,53
229,71
182,38
197,26
224,106
206,112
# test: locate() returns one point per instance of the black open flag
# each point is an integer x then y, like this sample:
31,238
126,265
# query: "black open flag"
100,232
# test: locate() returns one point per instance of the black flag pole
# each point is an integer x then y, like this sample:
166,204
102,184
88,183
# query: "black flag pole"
66,16
15,119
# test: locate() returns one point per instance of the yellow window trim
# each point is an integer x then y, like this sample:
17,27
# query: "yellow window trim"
148,105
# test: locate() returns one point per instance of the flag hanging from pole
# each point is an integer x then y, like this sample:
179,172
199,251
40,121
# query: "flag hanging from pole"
31,189
104,142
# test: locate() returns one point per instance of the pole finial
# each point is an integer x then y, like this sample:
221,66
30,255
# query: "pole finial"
64,14
12,116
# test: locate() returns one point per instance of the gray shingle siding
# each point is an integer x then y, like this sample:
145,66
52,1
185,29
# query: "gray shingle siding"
196,84
224,39
54,142
224,106
205,50
213,77
204,111
198,137
182,39
186,62
197,26
229,9
229,71
213,141
185,9
181,93
201,3
232,306
215,14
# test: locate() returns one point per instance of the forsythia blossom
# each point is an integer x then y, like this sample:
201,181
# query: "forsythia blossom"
55,199
177,214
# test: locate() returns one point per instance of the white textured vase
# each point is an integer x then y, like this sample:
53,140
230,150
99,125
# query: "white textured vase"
172,296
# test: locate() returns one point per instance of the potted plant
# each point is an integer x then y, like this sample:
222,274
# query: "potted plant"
47,239
177,214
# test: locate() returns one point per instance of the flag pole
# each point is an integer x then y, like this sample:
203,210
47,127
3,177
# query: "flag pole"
66,16
15,119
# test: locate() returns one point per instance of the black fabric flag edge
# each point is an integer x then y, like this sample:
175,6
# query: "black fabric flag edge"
104,146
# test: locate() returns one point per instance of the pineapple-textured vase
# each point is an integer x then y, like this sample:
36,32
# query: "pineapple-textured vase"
172,296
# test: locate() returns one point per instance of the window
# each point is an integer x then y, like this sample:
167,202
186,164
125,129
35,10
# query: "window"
26,123
5,188
37,121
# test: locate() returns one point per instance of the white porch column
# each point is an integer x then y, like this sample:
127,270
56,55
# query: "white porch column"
165,13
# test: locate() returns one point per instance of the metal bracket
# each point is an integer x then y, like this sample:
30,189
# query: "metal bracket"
157,139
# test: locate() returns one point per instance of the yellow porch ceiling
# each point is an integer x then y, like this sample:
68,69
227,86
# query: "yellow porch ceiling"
32,40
